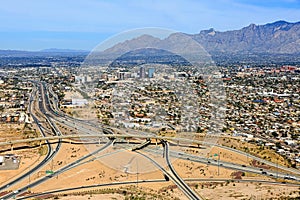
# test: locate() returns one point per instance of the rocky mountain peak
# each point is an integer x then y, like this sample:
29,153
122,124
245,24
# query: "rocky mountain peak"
276,37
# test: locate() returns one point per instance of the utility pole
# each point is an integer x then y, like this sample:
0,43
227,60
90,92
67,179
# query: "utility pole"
218,162
137,174
247,152
276,168
28,180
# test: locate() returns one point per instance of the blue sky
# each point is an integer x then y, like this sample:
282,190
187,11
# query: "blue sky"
82,24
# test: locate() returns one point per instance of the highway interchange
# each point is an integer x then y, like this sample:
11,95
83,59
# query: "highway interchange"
44,99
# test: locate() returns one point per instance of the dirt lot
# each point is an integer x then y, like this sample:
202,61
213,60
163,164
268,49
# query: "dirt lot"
97,172
28,157
233,190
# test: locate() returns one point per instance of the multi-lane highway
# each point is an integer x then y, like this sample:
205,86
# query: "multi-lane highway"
151,181
50,153
49,109
228,165
174,154
44,107
177,179
56,173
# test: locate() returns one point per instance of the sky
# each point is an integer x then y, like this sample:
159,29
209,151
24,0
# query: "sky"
83,24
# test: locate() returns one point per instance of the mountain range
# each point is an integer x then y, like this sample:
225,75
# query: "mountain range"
279,38
277,42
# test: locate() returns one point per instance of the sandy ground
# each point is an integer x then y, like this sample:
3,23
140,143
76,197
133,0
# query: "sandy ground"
209,191
94,197
97,172
264,153
10,132
72,94
28,157
93,172
228,191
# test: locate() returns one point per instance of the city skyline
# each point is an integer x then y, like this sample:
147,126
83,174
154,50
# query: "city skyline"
35,25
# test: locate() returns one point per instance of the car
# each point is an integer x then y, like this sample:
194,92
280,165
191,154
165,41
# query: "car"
243,165
290,177
264,172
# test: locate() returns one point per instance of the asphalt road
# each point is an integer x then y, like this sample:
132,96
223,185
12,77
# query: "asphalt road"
50,113
49,156
182,185
151,181
56,173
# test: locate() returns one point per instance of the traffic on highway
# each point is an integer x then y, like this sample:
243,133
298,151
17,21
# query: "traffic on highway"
44,110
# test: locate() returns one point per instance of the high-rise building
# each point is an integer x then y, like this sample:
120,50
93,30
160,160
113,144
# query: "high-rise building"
151,72
121,75
142,72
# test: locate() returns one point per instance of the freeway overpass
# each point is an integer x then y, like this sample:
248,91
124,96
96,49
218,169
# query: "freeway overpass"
118,136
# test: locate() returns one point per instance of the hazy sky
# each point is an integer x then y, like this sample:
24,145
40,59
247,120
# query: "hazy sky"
82,24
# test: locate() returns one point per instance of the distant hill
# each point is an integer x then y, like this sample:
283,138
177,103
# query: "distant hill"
42,53
13,52
55,50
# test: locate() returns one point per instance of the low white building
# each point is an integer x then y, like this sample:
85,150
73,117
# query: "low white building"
289,142
79,102
1,160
